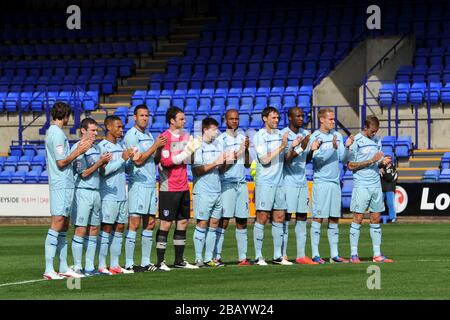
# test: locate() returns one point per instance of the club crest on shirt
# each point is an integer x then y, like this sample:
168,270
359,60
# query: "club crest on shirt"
166,213
165,154
327,146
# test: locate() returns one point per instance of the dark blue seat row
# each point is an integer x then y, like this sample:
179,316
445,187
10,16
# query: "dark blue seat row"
401,146
105,84
38,101
34,176
118,14
77,49
122,67
107,33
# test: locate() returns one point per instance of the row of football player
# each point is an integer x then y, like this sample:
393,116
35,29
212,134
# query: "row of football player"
87,182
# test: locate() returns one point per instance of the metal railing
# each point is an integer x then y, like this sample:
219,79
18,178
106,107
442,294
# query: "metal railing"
74,100
396,106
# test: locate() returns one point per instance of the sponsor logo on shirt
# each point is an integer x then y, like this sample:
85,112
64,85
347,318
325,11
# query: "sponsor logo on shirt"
60,149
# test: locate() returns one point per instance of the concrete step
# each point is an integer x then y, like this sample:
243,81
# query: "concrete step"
195,21
410,179
153,64
173,47
185,37
412,172
130,89
167,55
424,162
113,105
100,115
119,98
430,153
137,81
145,72
184,29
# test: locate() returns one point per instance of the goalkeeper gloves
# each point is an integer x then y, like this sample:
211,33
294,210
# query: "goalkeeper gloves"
193,145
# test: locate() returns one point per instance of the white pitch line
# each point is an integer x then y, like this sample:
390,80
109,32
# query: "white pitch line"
362,262
22,282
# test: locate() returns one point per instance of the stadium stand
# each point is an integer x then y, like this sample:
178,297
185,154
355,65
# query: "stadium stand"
246,58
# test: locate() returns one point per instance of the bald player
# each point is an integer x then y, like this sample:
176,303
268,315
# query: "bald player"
234,187
295,184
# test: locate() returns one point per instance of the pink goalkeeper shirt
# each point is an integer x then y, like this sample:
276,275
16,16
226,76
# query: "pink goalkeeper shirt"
173,177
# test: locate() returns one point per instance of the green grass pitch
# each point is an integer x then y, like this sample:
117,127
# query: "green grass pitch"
421,270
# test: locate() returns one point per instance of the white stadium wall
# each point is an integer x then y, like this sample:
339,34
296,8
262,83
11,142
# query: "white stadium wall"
24,200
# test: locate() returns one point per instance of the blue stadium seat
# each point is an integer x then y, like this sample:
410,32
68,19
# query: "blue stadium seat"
445,161
18,177
256,121
40,150
431,176
11,101
348,175
159,122
138,97
434,92
402,93
15,151
417,93
388,144
24,163
90,100
309,173
403,146
347,189
189,121
445,93
5,177
445,175
32,177
43,178
218,103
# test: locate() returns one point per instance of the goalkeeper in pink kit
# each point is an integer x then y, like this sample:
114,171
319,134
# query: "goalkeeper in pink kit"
174,197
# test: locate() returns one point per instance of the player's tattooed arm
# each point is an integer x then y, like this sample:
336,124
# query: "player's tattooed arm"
385,162
355,166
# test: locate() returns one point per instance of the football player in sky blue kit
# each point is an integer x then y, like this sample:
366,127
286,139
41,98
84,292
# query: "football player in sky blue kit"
61,183
86,202
296,187
270,147
234,187
114,210
367,194
328,150
141,189
207,199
